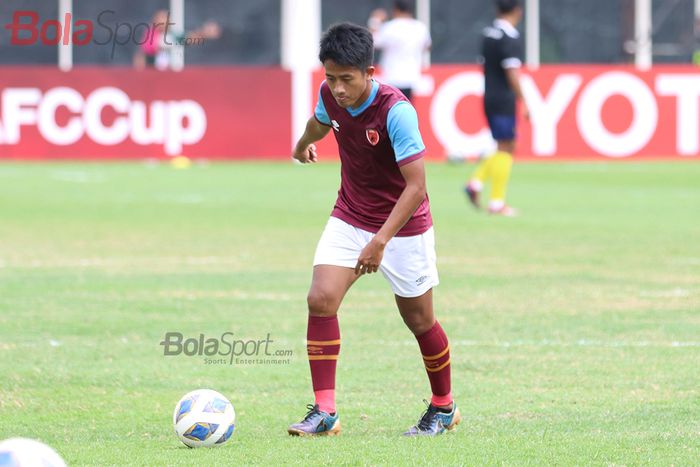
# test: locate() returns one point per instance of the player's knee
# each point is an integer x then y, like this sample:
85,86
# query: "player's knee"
418,320
506,146
418,324
320,303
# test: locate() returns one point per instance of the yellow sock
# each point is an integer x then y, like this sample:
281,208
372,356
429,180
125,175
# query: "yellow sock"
500,173
483,170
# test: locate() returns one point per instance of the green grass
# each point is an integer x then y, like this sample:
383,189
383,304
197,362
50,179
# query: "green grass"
575,328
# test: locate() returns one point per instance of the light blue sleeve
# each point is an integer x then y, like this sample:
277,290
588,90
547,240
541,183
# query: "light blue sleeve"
402,126
320,112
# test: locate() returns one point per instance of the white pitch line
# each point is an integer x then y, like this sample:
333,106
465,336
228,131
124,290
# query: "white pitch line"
677,292
552,343
686,261
231,294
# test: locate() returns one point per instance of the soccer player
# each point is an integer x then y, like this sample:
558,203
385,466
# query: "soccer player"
381,222
501,52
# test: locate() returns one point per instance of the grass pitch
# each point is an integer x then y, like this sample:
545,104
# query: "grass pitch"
575,328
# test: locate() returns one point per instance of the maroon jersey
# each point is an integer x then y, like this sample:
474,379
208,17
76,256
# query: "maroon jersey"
371,181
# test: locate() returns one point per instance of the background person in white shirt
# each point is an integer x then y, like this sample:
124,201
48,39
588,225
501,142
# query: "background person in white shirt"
402,42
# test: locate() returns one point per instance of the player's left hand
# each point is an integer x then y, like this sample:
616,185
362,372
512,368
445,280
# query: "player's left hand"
370,258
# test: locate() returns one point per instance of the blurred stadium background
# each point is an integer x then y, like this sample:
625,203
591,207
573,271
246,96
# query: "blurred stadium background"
575,327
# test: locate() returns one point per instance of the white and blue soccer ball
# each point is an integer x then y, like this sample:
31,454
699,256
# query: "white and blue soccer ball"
23,452
204,418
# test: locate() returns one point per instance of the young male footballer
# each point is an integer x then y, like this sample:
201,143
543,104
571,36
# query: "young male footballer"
380,222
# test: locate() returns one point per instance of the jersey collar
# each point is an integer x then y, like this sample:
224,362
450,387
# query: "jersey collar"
373,93
506,27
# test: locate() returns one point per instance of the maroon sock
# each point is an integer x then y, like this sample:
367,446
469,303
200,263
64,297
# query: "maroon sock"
323,348
436,357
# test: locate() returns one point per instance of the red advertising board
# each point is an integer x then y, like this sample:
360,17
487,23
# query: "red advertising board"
577,112
121,113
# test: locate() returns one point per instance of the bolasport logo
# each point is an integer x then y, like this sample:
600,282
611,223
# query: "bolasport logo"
27,28
170,123
225,349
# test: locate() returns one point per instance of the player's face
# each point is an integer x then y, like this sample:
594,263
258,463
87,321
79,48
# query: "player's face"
350,86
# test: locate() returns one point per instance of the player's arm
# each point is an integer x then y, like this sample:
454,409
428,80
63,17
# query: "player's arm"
513,77
428,44
412,196
305,149
317,128
511,64
402,125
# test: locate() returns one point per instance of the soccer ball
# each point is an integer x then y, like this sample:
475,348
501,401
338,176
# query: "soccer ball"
204,418
23,452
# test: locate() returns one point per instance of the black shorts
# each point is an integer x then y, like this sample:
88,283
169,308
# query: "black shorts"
502,126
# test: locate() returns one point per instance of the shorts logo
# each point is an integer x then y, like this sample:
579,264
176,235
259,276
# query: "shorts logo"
372,136
422,279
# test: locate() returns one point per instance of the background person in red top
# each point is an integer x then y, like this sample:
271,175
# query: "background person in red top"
157,43
381,222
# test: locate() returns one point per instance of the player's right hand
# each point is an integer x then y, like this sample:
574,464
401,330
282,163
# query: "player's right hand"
306,155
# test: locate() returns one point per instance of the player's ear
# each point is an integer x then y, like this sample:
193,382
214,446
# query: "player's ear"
370,71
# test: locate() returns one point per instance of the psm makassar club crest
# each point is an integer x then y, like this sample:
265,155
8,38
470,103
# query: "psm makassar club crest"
372,136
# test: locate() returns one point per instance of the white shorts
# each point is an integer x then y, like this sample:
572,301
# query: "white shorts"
408,263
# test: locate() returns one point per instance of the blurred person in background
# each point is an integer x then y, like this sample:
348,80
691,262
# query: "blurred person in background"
696,53
402,41
501,56
159,41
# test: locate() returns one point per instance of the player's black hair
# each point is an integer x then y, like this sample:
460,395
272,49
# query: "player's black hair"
402,6
347,44
506,6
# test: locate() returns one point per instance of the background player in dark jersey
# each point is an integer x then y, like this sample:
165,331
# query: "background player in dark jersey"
501,52
381,222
